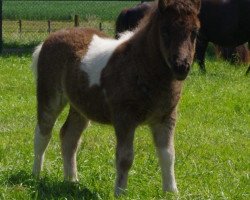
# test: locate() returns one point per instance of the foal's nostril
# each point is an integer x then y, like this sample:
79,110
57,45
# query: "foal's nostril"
183,68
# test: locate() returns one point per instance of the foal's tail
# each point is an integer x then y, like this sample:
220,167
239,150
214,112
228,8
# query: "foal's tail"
35,57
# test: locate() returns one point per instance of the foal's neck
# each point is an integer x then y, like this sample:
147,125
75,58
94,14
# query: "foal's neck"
146,45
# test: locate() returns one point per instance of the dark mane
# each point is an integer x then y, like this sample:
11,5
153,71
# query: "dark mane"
149,18
128,19
182,7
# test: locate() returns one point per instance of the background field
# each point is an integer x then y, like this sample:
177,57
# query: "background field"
34,16
212,142
63,10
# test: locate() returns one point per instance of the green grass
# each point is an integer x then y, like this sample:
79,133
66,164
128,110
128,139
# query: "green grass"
63,10
212,142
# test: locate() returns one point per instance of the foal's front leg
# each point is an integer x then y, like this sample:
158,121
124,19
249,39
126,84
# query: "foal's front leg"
163,134
124,153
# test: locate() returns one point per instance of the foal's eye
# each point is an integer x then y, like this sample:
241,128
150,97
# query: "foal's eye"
166,36
164,30
165,33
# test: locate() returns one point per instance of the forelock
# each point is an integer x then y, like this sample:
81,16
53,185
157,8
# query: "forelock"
183,7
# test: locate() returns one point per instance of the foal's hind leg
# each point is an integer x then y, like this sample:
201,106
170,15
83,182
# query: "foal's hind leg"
48,110
70,140
163,134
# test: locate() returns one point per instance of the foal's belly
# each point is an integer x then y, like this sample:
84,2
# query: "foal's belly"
89,101
94,106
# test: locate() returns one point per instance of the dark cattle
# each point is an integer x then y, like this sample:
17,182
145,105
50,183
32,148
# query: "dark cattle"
223,22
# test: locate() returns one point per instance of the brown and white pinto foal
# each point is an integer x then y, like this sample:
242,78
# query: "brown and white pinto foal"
127,82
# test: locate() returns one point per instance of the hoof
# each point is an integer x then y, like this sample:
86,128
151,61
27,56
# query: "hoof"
248,70
119,192
36,173
71,179
36,176
203,70
172,189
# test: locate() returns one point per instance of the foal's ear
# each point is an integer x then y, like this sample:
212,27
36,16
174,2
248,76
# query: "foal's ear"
163,4
197,4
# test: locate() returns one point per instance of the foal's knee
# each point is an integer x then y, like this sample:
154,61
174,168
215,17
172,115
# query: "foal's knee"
45,123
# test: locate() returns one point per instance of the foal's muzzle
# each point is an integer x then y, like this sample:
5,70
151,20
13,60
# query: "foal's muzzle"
180,70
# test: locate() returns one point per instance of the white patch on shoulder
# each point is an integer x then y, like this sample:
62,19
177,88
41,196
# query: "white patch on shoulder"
99,52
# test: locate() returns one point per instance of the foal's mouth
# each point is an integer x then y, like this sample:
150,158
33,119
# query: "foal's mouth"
180,71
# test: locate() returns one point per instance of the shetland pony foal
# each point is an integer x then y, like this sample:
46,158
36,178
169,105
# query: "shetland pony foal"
136,79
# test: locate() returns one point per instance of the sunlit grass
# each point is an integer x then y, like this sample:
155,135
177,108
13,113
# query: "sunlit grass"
212,142
63,10
34,16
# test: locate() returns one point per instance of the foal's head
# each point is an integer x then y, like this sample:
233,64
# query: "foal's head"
178,28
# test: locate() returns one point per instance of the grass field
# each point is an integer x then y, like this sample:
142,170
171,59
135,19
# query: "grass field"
63,10
212,142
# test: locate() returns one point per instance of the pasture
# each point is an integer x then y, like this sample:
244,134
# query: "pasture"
35,16
212,142
63,10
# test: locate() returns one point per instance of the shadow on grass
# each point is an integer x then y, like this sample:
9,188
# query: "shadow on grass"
48,189
14,49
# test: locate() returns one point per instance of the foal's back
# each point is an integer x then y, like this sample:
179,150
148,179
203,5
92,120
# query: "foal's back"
65,46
